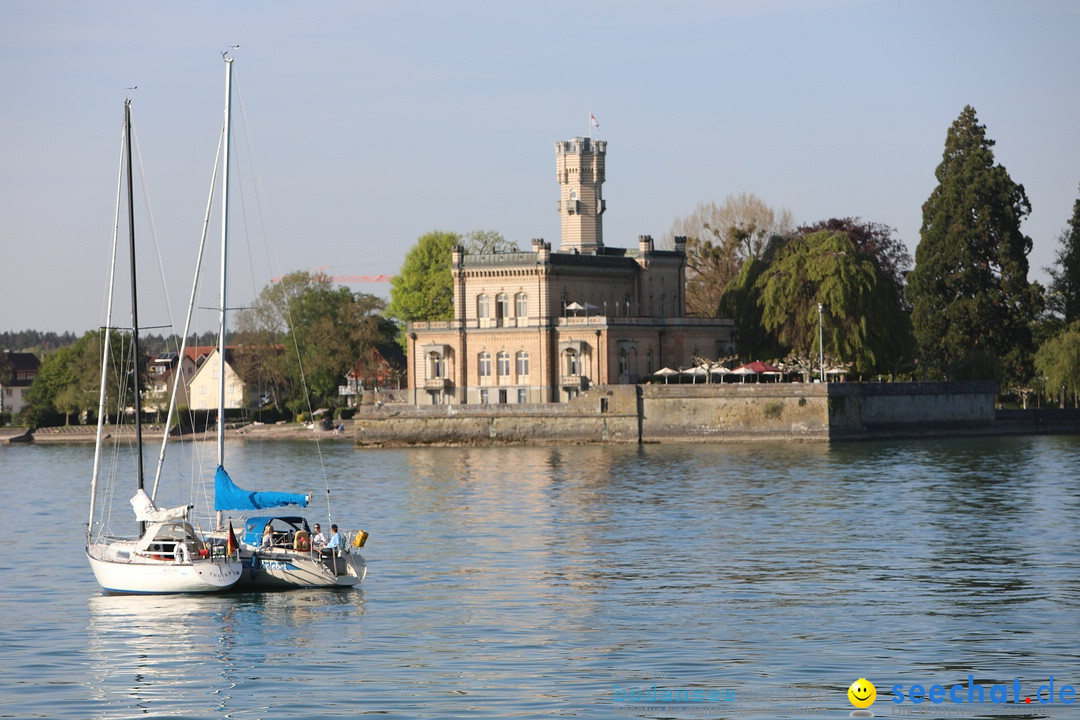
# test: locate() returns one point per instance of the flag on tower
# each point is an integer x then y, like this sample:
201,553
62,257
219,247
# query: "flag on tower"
592,122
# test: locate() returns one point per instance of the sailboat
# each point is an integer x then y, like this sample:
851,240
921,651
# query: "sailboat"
167,555
288,559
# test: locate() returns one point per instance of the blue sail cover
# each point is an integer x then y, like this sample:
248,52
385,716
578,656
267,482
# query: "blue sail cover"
227,496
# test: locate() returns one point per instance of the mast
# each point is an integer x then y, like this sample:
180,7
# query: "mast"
224,258
134,308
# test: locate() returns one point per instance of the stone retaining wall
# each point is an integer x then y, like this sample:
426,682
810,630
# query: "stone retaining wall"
725,412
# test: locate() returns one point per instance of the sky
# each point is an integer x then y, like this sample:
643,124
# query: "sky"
371,123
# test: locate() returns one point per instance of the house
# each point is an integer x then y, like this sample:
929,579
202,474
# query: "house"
161,374
24,368
203,389
380,367
542,326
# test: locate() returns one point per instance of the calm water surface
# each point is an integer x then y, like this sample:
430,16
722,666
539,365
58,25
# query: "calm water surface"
544,582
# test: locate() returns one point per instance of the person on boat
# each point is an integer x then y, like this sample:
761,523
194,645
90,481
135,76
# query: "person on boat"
336,541
317,538
267,538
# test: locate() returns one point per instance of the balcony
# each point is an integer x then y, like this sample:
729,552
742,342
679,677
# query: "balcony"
436,383
574,382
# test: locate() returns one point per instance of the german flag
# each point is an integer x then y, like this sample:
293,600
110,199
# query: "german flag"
231,545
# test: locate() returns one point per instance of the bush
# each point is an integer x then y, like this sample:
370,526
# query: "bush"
344,413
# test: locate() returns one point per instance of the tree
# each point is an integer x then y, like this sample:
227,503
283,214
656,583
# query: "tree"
488,241
741,301
874,240
970,297
68,380
1064,296
7,373
1058,362
423,289
719,239
865,324
304,332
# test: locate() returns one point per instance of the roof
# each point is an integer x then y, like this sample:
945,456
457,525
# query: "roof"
24,366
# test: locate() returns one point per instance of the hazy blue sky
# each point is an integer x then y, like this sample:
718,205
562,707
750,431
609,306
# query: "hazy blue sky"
375,122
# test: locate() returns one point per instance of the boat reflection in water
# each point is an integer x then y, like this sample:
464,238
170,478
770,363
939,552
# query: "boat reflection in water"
211,655
150,654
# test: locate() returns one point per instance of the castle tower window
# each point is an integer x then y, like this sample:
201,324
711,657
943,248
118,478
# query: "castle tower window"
522,361
521,302
483,364
483,306
502,364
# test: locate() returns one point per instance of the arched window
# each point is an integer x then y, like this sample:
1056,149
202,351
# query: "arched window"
522,361
521,302
502,364
624,362
483,306
483,364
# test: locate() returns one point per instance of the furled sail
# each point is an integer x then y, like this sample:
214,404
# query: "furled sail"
227,496
147,511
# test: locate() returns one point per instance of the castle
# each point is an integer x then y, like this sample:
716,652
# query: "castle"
542,326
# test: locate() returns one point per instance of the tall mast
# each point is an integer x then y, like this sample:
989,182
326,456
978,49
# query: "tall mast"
224,258
134,304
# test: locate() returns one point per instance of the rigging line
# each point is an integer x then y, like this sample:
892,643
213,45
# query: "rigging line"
145,187
261,230
179,372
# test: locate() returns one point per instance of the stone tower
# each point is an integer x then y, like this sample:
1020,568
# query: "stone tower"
579,165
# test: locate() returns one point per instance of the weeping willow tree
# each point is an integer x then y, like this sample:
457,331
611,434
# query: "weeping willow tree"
862,315
1058,363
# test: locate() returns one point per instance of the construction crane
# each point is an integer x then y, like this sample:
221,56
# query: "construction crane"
322,275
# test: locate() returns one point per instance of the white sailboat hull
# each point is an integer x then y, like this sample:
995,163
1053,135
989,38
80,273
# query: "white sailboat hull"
150,576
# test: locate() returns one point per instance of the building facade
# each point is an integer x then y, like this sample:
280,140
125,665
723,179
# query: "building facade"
24,368
542,326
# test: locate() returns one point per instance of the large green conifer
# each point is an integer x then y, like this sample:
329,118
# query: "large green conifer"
1065,274
970,296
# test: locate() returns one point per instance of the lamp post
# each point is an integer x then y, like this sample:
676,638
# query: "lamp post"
821,342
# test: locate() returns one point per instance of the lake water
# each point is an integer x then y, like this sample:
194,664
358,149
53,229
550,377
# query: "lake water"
572,581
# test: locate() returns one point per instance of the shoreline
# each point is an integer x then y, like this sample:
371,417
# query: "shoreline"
80,434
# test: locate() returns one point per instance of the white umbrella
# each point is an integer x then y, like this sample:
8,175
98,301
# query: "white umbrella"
666,373
696,372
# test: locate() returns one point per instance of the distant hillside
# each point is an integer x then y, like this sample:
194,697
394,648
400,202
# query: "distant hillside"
36,342
43,343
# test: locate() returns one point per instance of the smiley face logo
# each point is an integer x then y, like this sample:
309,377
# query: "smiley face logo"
862,693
